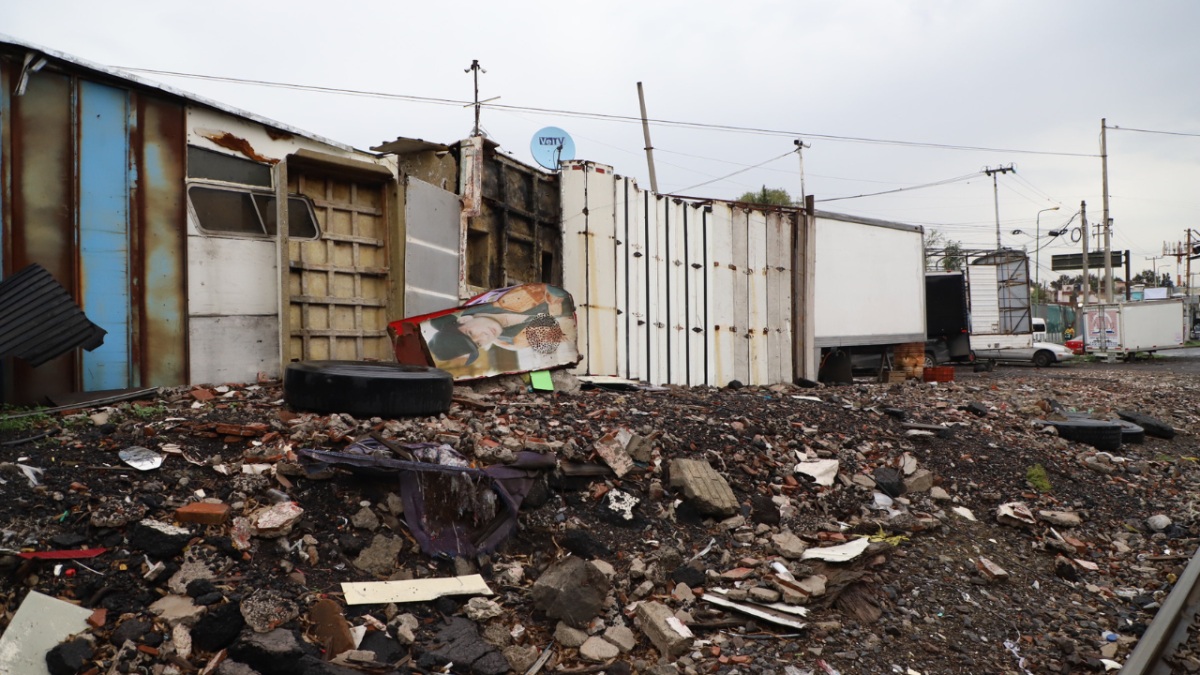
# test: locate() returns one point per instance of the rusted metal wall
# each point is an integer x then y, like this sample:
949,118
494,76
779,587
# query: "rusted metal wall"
59,202
516,237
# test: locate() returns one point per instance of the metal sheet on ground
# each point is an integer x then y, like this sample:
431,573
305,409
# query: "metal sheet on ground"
39,624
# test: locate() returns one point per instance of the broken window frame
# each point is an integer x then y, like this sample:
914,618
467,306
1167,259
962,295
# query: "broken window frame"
293,198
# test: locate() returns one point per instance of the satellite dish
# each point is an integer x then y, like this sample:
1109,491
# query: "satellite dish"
551,146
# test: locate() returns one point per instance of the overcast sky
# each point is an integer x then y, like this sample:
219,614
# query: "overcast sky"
1005,75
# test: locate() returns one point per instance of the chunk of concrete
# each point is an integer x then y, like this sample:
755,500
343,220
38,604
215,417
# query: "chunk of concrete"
380,556
703,487
598,649
670,637
788,545
573,590
622,637
568,636
177,609
921,481
266,610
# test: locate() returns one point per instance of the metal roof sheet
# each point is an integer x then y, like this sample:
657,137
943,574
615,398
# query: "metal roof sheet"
39,321
174,91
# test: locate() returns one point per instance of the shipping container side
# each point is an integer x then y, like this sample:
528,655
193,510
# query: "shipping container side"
869,282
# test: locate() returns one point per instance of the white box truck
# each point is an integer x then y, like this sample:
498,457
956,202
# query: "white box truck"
1126,328
869,288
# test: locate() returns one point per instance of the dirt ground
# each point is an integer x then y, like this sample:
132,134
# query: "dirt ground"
944,587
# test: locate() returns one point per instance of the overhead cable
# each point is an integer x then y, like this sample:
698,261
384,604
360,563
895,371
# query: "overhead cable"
607,117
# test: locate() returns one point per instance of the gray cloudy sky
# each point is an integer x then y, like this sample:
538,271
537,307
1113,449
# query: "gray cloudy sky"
1030,75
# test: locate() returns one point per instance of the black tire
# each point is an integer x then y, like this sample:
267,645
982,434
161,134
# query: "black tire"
1043,358
1153,426
364,389
1099,434
930,361
1130,432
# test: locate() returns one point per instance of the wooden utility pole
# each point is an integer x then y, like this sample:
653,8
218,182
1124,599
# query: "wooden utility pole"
996,194
649,147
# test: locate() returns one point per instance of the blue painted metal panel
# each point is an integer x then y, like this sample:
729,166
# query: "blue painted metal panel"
104,230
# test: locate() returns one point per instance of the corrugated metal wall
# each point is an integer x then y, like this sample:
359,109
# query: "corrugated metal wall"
91,188
674,291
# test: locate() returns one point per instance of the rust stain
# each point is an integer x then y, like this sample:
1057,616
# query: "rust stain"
228,140
278,134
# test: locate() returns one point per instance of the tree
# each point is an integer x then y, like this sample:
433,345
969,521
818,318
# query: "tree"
946,254
1147,277
769,196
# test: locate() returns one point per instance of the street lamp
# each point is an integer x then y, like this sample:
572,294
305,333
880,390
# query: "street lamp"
1037,254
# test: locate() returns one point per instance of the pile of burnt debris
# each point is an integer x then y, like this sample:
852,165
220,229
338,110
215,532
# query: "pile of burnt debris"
907,528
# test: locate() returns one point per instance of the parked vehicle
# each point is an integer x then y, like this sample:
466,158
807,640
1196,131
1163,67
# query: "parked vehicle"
1127,328
1040,354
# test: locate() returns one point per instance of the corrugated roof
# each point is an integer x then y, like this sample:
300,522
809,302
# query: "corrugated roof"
39,321
174,91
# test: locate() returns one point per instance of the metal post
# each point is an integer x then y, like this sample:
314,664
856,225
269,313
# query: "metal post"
477,69
1037,254
1108,294
1087,286
646,134
1128,283
996,194
800,146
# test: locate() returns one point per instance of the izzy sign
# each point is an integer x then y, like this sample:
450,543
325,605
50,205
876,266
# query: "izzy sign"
550,146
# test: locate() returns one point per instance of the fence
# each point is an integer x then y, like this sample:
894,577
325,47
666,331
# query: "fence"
676,291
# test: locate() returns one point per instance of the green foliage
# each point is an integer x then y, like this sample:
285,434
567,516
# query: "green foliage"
1037,477
946,254
769,196
146,412
21,423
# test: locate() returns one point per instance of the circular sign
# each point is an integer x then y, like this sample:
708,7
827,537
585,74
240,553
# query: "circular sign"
551,146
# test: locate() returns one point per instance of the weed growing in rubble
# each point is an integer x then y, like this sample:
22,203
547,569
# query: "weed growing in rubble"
147,411
1036,475
21,423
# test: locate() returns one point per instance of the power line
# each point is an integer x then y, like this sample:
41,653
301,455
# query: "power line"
1152,131
905,189
739,171
607,117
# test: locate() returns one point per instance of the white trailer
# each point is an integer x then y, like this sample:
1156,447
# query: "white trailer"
1123,329
869,282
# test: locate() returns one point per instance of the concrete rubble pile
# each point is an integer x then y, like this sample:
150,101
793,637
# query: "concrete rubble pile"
867,528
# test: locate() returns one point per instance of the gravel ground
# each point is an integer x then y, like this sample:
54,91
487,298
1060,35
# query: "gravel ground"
935,592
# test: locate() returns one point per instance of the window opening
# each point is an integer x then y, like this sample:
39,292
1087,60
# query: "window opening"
210,165
243,212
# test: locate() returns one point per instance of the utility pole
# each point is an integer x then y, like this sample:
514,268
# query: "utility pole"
477,69
1108,294
1187,288
1154,266
996,193
649,147
800,146
1087,286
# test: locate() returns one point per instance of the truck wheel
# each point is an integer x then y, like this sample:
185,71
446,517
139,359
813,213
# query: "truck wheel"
367,389
1154,427
1043,358
1099,434
930,362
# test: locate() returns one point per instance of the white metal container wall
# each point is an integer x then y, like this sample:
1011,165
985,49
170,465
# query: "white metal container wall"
694,270
722,277
985,307
756,248
688,283
677,293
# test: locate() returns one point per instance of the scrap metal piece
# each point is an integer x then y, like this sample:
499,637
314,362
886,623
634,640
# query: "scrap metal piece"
142,459
39,321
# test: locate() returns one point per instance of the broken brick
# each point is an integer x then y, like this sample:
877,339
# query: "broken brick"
204,513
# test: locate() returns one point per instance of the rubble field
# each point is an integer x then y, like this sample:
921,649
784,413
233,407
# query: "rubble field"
869,528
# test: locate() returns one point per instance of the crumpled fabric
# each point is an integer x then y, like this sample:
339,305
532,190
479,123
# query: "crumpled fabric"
450,508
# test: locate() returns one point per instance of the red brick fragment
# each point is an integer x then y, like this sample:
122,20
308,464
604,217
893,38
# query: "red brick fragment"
204,513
